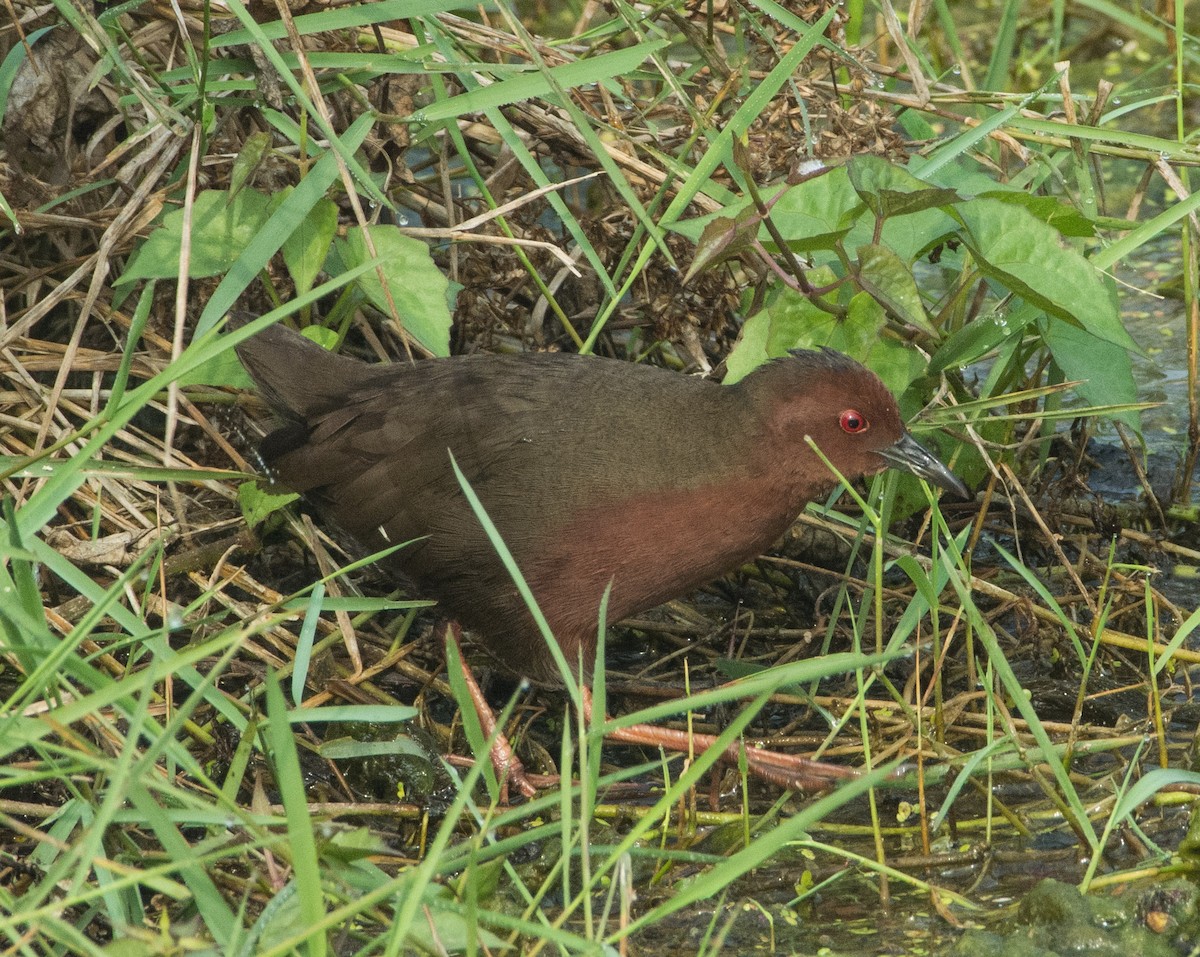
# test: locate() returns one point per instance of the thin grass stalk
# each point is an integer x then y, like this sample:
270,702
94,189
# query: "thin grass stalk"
875,517
1160,730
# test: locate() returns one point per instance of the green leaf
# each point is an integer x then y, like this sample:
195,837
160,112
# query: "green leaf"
323,336
444,928
221,229
539,85
816,213
724,237
223,369
281,918
961,174
350,845
379,714
913,235
790,321
1066,220
892,191
332,19
305,641
283,222
305,250
773,330
11,66
301,834
347,747
258,504
860,336
417,286
481,881
976,339
1026,256
883,275
1105,369
249,160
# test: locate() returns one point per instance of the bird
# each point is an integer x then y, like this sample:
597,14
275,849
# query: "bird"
600,475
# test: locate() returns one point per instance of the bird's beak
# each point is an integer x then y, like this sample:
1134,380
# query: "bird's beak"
908,454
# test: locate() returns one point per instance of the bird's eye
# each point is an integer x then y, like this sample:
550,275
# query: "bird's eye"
853,422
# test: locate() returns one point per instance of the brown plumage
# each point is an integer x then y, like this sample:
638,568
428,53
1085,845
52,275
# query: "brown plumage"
593,470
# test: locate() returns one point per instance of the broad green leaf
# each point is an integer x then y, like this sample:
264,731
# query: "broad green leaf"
962,174
305,250
323,336
258,504
695,227
293,211
221,229
417,286
1104,369
976,339
446,928
790,321
860,336
723,238
890,282
280,918
816,213
223,369
1027,256
352,845
1066,220
911,236
892,191
773,330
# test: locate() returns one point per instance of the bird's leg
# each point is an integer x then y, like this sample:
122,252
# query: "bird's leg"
508,766
784,770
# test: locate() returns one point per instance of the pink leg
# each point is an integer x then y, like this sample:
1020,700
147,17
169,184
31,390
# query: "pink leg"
784,770
508,766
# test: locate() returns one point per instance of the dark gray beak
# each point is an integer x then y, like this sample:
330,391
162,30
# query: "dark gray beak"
908,454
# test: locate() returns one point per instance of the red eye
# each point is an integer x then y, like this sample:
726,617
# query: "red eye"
853,422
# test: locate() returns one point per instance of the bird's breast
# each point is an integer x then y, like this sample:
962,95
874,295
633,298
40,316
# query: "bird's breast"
659,545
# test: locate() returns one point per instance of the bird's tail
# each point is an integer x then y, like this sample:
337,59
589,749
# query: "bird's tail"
296,376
